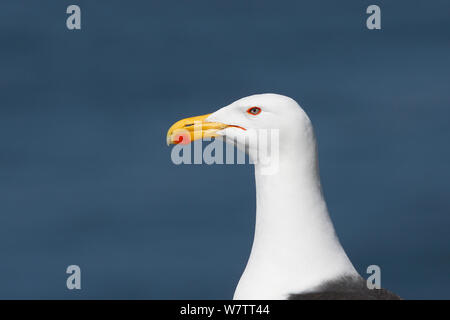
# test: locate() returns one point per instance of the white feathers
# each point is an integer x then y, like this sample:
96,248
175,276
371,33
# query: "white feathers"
295,247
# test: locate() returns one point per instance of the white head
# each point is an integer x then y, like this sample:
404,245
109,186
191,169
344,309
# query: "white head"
243,122
295,246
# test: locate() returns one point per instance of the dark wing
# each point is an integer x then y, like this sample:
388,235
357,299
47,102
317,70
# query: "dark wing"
345,288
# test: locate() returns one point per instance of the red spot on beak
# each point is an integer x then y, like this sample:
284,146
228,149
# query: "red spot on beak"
182,138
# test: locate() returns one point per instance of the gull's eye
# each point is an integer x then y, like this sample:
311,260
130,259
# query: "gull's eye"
254,111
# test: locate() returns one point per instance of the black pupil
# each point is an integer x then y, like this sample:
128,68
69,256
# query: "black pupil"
254,110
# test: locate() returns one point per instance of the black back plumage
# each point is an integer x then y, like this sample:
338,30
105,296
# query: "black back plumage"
345,288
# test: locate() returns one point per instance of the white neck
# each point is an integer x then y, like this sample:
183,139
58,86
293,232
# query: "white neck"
295,247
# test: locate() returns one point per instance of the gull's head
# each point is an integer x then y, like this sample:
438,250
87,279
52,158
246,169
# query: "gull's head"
241,119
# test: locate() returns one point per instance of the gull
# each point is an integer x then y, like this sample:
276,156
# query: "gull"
296,253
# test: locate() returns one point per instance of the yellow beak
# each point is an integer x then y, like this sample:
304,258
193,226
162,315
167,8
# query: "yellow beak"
190,129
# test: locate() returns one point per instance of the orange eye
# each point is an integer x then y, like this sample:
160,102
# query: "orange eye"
254,111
